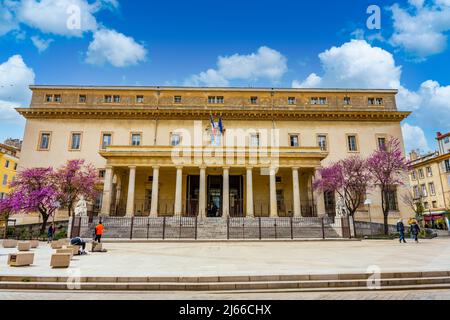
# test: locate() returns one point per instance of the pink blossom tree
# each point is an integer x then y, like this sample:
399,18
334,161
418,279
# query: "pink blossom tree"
349,178
75,179
33,191
388,165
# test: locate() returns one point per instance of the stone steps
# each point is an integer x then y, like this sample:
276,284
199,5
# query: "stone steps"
331,282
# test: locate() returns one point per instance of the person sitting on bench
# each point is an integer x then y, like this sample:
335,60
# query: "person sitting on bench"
77,241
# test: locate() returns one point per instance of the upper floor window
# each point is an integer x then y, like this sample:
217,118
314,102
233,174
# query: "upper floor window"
175,139
352,143
216,99
294,140
116,99
432,188
292,100
108,99
139,99
177,99
447,140
391,199
382,143
136,139
75,141
57,98
254,140
44,141
5,180
254,100
421,175
375,101
101,174
414,175
322,142
15,167
318,100
416,192
447,165
82,98
52,98
106,140
48,98
429,172
424,191
347,101
7,164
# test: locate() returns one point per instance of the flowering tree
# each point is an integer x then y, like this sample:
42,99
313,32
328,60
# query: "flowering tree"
387,166
349,178
33,191
76,179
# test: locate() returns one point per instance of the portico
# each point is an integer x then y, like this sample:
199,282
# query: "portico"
144,181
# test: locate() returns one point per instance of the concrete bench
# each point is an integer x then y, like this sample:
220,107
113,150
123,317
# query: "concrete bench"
65,251
34,244
56,245
60,260
97,247
75,249
24,246
9,243
20,259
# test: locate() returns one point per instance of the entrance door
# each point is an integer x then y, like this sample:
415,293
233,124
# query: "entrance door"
215,187
193,190
236,198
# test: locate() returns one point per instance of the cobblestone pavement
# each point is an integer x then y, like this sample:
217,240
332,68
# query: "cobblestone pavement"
367,295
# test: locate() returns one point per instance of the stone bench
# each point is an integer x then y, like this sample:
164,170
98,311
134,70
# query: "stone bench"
24,246
75,249
56,245
9,243
60,260
34,244
65,251
20,259
97,247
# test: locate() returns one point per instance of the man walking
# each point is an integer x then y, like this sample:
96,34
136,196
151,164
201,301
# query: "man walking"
99,232
401,230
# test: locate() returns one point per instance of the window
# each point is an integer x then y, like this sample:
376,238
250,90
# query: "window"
7,164
15,167
434,204
322,142
106,140
101,174
177,99
347,101
429,172
116,99
82,98
136,139
49,98
254,140
254,100
371,101
447,165
424,191
75,142
391,198
215,100
447,140
108,99
379,101
5,180
2,195
44,143
432,188
57,98
139,99
382,143
321,100
426,206
292,100
416,192
278,179
314,100
352,143
421,175
294,140
175,139
414,175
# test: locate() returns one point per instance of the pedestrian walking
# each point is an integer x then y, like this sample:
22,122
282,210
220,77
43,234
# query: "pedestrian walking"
99,232
401,230
51,233
415,230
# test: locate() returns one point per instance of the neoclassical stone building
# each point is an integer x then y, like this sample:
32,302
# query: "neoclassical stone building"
165,151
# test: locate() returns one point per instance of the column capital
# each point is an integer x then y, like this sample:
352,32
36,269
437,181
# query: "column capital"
179,167
156,167
295,168
202,167
226,168
109,167
249,168
131,167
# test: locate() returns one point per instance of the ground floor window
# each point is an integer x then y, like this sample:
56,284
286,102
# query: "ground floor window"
391,198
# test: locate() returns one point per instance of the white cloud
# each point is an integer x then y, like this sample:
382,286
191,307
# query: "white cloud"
41,44
313,81
421,28
414,138
15,78
266,63
7,20
110,46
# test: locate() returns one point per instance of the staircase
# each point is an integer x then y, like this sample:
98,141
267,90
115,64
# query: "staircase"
273,283
212,228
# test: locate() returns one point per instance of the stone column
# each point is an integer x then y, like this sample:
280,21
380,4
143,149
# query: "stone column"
155,189
226,192
273,194
118,190
250,209
130,197
296,192
178,191
107,192
202,195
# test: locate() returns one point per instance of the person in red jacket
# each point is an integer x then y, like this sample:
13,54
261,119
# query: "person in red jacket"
99,232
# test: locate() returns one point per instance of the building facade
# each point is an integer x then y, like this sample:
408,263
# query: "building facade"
430,179
9,160
164,151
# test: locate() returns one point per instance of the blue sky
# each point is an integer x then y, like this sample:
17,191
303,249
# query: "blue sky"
252,43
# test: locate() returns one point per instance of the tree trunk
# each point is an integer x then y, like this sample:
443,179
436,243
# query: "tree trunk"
386,228
44,222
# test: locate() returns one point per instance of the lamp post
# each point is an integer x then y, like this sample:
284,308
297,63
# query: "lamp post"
368,202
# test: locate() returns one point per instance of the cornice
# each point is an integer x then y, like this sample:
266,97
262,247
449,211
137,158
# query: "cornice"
199,114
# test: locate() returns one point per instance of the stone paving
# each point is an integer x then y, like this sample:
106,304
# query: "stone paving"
243,258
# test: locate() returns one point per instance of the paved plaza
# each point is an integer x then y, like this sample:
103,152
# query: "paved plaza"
243,258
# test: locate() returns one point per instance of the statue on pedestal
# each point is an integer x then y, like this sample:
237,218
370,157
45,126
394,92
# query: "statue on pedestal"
81,207
341,208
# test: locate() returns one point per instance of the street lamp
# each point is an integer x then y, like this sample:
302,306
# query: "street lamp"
368,202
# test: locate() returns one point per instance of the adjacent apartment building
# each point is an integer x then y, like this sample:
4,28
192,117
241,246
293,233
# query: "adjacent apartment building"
430,179
210,151
9,160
